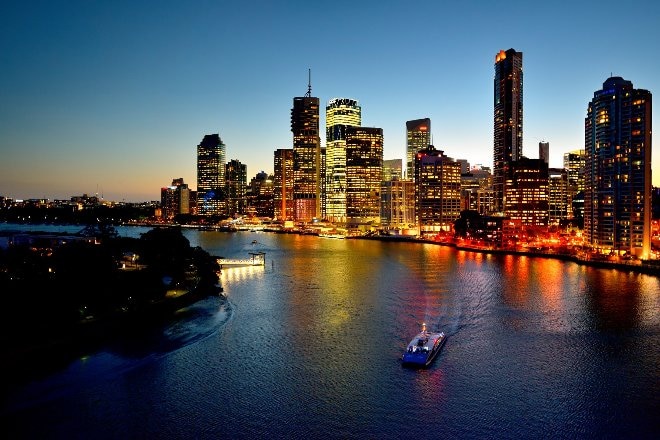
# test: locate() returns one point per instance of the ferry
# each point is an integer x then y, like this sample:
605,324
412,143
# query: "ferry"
423,348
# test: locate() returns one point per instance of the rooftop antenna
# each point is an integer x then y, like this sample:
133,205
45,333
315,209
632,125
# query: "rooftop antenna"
309,84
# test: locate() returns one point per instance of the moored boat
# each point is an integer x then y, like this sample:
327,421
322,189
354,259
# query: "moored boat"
423,348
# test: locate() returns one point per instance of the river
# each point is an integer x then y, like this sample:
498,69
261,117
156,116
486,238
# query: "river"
309,346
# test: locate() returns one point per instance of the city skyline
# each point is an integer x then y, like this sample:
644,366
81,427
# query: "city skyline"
115,98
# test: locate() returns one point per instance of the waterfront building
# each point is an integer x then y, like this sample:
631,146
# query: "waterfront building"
236,185
340,113
259,195
283,184
418,137
397,209
175,199
324,199
559,196
526,190
475,186
392,169
364,174
437,191
617,199
211,175
508,118
574,166
306,157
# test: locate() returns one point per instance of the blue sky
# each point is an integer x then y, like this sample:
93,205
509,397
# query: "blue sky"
114,96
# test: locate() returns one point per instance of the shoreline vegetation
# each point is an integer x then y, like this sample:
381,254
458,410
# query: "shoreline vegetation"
65,299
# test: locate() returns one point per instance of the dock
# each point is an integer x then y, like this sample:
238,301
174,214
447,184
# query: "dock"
255,259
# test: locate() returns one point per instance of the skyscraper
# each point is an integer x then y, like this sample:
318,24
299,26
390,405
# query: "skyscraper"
340,113
283,184
437,191
236,184
306,157
617,141
526,189
544,151
364,173
508,118
211,175
418,137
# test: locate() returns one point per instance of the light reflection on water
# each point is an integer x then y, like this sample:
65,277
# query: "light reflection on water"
536,347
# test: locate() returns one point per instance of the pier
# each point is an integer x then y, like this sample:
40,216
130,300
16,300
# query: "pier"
255,259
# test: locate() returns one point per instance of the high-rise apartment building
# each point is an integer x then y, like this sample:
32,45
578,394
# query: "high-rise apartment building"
397,207
236,184
306,157
283,184
526,189
617,203
508,118
340,113
211,175
364,173
559,196
418,137
574,166
437,191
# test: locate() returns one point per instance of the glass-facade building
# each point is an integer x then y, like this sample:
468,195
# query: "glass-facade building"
526,189
617,199
418,137
211,175
283,184
236,187
364,173
306,158
340,113
508,119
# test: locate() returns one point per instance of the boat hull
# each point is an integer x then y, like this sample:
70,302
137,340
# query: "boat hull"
421,354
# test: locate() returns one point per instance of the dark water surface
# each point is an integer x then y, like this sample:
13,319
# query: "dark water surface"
309,347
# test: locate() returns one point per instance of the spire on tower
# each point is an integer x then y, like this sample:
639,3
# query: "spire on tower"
309,83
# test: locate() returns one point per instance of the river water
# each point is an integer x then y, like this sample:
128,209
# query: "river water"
309,346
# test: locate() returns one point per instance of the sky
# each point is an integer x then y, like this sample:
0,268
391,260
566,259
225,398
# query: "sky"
112,97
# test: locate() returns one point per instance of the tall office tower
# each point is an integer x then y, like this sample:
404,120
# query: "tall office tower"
175,199
340,113
364,173
437,191
324,199
306,157
211,175
544,151
236,184
574,165
559,198
283,184
508,118
418,137
617,142
392,169
397,203
526,189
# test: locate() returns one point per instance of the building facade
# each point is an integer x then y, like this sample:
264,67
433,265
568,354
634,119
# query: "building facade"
211,176
175,199
617,203
397,208
340,113
508,118
306,158
392,169
526,192
364,174
437,191
559,196
236,187
283,184
418,137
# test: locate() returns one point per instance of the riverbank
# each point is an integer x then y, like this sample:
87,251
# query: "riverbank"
648,267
